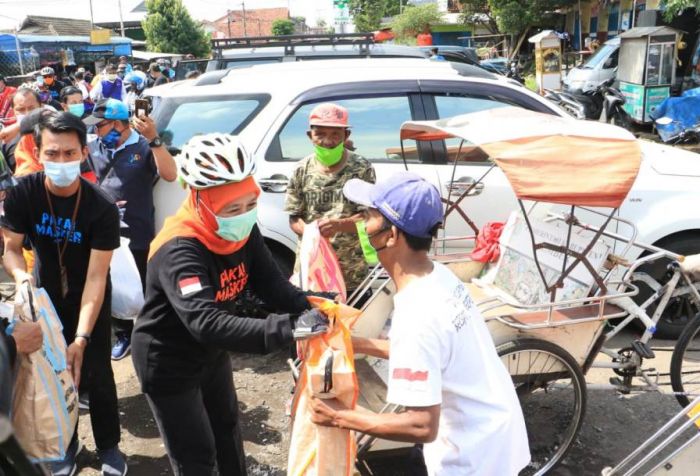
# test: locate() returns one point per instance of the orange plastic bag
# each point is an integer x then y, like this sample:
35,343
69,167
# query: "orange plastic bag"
317,450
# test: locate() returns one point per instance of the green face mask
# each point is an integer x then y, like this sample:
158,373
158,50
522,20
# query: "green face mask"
236,228
369,251
329,157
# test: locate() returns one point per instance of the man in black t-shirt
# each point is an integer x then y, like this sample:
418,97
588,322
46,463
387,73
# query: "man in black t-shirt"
73,227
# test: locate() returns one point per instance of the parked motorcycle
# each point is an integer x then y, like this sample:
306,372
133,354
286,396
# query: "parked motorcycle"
566,102
674,132
514,72
677,119
605,103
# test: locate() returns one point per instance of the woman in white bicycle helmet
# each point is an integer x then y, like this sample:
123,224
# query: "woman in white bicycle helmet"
207,254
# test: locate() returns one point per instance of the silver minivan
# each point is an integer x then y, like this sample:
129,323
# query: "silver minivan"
598,68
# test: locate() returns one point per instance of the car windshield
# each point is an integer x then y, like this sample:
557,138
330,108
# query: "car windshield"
179,119
599,56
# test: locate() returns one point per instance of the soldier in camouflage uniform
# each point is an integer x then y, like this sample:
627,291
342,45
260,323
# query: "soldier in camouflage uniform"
315,190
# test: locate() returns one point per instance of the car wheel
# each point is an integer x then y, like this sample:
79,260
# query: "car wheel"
680,310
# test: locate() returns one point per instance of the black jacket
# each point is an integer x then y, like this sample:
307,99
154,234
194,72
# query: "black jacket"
190,314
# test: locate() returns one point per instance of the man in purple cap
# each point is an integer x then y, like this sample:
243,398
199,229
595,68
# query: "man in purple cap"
443,366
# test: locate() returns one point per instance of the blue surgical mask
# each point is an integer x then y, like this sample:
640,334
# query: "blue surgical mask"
62,174
236,228
77,109
111,139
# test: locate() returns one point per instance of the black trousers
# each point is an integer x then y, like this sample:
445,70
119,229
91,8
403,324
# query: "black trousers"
200,426
97,378
124,326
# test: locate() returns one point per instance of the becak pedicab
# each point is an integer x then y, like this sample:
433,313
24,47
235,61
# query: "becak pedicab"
557,282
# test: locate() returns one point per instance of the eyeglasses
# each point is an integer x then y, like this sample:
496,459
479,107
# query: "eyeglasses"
100,125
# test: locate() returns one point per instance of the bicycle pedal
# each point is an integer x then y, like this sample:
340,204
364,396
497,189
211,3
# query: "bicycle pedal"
643,350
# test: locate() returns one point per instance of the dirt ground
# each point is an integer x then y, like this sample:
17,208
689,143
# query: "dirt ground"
613,425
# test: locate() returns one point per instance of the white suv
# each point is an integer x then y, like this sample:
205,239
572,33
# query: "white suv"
269,105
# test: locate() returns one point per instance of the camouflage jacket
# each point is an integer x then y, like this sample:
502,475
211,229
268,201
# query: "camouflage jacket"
314,194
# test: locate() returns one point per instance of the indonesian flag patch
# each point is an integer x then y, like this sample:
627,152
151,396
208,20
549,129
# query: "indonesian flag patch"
190,285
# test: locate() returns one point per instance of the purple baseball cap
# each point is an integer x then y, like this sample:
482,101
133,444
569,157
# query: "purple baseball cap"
405,199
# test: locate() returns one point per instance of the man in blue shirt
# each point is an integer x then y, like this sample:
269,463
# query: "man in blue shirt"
127,165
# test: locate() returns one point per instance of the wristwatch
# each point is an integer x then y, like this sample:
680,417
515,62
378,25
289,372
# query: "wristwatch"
84,335
157,142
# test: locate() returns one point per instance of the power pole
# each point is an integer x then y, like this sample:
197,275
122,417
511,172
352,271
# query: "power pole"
245,27
228,20
121,18
92,20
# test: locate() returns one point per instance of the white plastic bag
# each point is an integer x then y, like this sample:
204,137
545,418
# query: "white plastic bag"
127,292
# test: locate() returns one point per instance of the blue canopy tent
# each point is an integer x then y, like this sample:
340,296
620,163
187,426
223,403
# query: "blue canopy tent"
37,50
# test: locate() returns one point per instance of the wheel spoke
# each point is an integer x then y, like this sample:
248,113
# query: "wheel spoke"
552,393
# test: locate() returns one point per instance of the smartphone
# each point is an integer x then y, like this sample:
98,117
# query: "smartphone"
141,107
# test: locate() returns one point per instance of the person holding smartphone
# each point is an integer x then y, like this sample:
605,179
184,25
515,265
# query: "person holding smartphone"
127,161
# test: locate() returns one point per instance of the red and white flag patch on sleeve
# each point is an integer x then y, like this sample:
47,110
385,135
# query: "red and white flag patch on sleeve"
410,375
190,285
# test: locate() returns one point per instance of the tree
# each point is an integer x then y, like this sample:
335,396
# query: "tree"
414,19
676,7
517,17
367,14
282,27
169,28
478,12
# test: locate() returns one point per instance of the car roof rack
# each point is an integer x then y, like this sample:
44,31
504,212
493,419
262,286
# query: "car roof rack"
363,40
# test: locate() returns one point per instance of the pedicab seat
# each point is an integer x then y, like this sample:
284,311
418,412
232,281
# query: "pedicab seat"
482,294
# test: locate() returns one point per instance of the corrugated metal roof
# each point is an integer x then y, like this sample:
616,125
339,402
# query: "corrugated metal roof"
40,25
649,31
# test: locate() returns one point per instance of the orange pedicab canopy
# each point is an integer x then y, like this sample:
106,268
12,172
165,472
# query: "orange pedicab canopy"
545,157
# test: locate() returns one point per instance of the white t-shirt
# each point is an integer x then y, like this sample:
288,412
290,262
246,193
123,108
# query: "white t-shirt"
441,352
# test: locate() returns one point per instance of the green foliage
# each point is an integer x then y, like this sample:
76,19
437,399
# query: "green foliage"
282,27
676,7
367,14
515,16
414,19
478,12
169,28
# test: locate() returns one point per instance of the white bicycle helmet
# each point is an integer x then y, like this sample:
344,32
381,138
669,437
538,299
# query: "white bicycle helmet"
214,159
47,71
33,86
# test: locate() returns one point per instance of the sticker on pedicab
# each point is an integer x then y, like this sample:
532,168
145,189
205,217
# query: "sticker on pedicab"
190,285
517,274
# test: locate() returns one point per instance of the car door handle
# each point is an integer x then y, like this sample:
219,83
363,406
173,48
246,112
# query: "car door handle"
278,183
461,185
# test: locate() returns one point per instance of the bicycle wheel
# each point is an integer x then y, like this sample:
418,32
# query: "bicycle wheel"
685,362
552,393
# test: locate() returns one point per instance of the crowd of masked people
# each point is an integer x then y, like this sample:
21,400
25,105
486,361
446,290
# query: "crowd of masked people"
122,81
77,174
